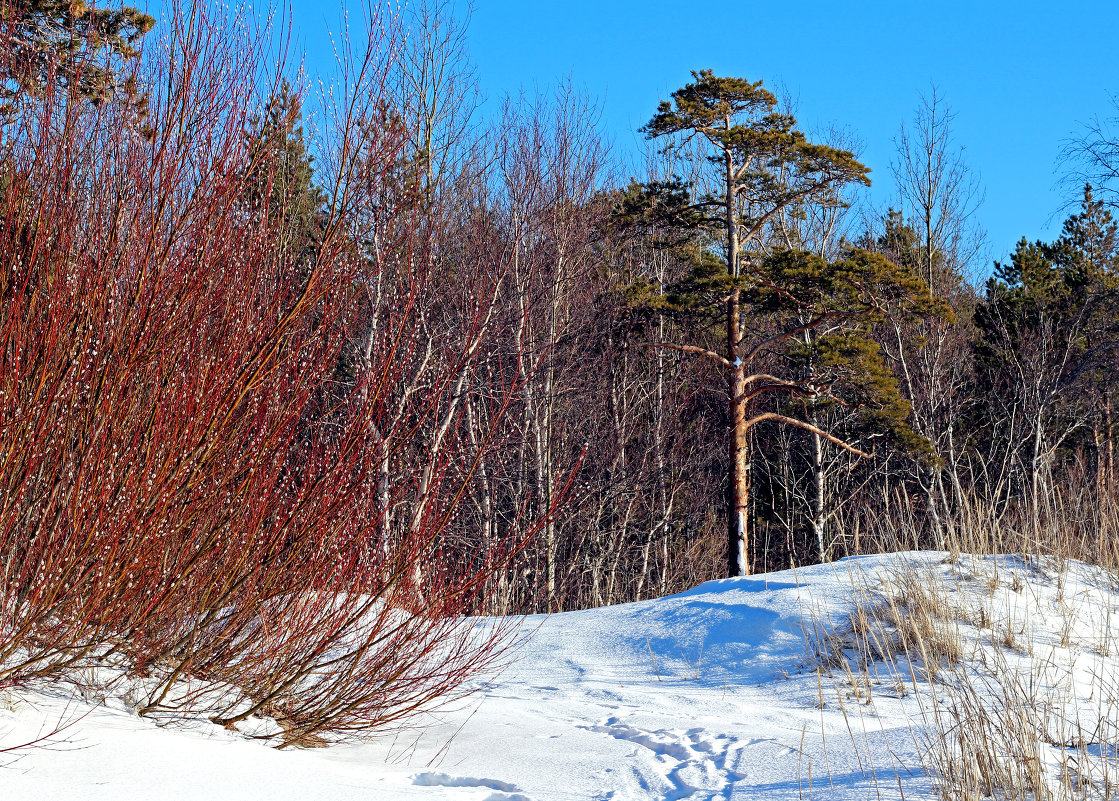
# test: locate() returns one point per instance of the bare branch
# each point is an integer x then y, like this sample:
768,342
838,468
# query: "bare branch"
710,354
792,421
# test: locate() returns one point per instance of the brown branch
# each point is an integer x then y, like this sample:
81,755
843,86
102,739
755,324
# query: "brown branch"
763,377
792,421
785,386
710,354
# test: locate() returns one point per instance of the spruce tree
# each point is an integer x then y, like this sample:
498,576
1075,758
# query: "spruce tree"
280,177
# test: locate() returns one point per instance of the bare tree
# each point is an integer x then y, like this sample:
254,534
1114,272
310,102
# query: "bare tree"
940,196
1091,156
437,91
939,192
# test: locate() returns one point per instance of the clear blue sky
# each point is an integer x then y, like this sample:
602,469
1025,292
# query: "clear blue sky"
1020,76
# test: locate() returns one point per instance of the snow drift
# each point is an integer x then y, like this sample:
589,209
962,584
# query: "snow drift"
787,685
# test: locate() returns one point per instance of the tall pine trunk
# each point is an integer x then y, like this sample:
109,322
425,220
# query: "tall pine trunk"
738,544
738,495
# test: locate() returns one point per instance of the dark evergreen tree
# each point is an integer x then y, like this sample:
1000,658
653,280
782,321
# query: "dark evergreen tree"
803,314
280,177
67,44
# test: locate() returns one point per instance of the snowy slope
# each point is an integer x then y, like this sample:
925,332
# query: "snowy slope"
709,694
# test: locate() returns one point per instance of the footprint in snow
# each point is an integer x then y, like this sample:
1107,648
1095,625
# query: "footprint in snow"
504,790
693,763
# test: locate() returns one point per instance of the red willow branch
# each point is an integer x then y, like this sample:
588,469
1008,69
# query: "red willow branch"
189,491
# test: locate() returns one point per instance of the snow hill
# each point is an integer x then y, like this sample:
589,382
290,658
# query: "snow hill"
773,686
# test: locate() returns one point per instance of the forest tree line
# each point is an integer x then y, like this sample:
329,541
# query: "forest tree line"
907,393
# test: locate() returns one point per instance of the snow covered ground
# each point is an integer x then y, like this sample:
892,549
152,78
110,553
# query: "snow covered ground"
715,693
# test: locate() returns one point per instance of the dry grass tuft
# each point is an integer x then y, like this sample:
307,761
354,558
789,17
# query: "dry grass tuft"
908,616
1005,712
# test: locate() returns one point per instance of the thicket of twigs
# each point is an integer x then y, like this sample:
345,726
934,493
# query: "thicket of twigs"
223,472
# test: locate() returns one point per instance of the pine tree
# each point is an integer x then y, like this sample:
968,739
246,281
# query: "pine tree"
1048,334
769,304
51,44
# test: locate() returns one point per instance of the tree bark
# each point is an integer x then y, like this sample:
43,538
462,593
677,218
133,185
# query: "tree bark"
738,545
819,481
